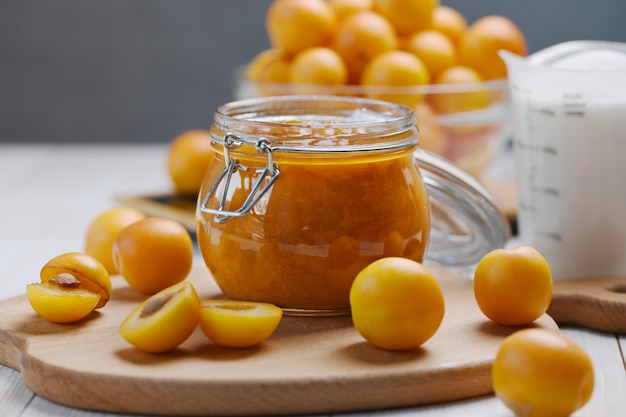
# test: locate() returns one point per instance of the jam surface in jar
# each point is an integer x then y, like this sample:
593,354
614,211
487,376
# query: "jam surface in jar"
347,192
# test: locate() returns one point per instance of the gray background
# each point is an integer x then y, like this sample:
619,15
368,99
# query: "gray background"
145,70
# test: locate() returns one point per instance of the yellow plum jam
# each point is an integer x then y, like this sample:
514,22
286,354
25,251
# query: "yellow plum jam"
306,191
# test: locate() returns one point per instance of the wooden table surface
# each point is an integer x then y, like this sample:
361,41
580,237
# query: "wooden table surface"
49,195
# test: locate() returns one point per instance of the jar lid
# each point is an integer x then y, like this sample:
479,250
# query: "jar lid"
466,223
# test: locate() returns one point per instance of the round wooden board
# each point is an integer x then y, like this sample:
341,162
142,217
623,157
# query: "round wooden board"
310,365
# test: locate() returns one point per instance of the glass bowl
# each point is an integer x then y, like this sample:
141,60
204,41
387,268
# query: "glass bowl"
467,138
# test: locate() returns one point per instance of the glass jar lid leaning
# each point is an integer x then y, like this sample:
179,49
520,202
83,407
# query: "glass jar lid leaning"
305,191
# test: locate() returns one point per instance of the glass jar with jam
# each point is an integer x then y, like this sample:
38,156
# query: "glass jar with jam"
305,191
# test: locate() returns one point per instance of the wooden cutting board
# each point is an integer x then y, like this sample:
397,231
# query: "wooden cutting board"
310,365
597,303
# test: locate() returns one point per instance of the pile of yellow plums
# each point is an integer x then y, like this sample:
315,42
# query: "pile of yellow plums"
382,43
419,53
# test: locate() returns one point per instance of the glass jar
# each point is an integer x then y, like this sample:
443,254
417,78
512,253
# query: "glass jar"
305,191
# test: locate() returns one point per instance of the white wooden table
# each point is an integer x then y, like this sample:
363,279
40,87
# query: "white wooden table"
50,193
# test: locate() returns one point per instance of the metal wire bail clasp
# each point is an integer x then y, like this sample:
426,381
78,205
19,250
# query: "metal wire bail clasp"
265,179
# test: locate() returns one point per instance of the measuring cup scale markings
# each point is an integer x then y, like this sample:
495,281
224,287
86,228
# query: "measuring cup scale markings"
570,134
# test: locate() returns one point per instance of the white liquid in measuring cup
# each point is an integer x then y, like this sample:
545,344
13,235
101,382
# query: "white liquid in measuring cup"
570,136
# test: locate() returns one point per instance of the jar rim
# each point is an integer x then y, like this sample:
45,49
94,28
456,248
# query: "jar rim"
344,123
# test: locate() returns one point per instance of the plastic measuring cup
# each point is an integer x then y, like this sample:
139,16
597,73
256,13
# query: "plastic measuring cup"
568,107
